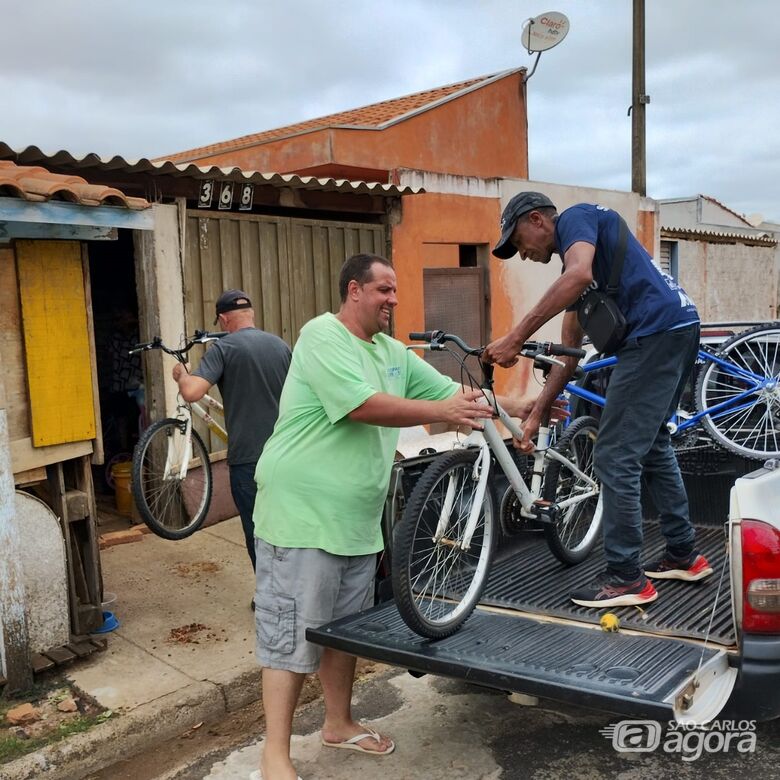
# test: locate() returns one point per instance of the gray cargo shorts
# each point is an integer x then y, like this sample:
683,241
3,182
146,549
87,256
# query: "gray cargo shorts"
300,588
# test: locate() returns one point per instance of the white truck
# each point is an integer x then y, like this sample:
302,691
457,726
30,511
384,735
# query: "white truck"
702,650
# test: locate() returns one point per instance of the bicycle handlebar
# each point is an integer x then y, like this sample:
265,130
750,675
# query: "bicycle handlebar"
437,339
560,349
199,337
531,349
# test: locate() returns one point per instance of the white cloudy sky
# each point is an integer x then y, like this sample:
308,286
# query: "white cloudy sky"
144,78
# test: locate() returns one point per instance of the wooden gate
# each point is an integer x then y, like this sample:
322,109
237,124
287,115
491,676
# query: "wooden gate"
288,267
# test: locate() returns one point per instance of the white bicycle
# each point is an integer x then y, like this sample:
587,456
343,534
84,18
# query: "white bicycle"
444,543
171,468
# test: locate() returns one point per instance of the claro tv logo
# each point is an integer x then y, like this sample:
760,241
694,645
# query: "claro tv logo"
690,740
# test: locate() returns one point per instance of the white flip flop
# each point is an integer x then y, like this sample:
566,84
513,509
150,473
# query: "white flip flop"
351,744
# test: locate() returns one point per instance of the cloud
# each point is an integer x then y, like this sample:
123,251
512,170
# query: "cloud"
149,78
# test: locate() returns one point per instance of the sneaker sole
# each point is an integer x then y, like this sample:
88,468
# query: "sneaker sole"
679,574
629,600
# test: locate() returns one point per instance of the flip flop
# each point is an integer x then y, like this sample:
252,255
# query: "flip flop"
257,776
351,744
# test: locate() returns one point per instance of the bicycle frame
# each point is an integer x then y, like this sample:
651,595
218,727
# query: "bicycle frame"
489,440
202,413
682,421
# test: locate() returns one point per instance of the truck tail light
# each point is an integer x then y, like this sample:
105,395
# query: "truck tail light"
760,577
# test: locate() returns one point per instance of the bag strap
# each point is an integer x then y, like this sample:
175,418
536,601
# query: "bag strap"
618,257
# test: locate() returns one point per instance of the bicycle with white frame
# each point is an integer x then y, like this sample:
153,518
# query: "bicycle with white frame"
443,545
172,480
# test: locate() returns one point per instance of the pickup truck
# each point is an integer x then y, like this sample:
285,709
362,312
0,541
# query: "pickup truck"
702,650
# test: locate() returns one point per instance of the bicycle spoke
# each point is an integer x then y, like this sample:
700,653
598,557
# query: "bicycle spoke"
750,426
446,557
173,504
574,530
441,571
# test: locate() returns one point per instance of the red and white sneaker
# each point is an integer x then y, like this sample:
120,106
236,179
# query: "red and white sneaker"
695,567
610,590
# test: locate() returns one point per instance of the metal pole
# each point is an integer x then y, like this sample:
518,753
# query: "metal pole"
638,101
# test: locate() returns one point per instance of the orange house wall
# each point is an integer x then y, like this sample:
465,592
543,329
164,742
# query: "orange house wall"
458,137
432,227
645,230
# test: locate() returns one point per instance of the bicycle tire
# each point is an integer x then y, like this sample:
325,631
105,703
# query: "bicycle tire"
752,428
573,533
437,586
172,507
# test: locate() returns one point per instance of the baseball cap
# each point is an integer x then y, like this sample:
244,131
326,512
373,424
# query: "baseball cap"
520,204
230,300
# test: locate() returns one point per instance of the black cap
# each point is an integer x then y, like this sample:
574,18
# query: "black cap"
520,204
230,300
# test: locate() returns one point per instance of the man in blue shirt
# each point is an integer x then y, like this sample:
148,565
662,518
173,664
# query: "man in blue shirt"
655,358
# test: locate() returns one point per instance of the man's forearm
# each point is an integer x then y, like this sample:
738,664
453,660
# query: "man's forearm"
553,387
394,412
192,388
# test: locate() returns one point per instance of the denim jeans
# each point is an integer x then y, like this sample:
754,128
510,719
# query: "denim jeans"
244,488
644,391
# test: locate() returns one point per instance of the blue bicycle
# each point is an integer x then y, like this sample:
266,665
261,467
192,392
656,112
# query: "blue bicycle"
735,393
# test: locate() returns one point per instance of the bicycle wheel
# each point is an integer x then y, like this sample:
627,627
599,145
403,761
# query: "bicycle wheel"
573,533
172,506
436,582
749,426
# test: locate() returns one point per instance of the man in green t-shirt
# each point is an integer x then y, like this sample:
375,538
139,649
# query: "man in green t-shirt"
322,480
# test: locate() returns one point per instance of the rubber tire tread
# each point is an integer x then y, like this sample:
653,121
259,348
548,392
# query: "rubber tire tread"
140,498
551,475
403,540
716,436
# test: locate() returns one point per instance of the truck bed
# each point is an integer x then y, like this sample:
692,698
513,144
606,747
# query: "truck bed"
529,579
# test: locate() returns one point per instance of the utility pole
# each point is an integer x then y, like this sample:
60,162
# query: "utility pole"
638,102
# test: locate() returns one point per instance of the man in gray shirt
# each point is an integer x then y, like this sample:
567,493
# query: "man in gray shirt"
249,366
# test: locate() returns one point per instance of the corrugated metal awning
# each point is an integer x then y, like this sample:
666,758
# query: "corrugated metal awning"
33,155
716,237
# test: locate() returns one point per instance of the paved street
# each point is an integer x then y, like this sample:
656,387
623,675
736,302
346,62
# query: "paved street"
447,729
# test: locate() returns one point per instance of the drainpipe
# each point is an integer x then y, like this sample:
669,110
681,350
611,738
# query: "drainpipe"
14,640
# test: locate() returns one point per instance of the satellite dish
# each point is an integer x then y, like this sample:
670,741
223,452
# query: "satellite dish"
544,31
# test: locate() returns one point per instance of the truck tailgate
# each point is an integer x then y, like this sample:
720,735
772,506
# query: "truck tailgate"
630,674
527,636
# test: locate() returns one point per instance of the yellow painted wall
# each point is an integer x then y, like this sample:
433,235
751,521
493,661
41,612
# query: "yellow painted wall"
57,353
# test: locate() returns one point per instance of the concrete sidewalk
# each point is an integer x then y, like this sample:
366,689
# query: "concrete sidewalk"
183,653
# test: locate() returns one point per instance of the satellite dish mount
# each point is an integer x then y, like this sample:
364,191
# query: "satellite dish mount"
543,32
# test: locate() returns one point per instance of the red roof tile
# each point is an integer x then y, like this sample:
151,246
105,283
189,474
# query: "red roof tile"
36,184
373,116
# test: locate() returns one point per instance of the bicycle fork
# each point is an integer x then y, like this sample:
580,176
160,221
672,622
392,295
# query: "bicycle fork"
172,460
480,473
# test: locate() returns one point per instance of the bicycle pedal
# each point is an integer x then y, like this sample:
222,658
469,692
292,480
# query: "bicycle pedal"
546,511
